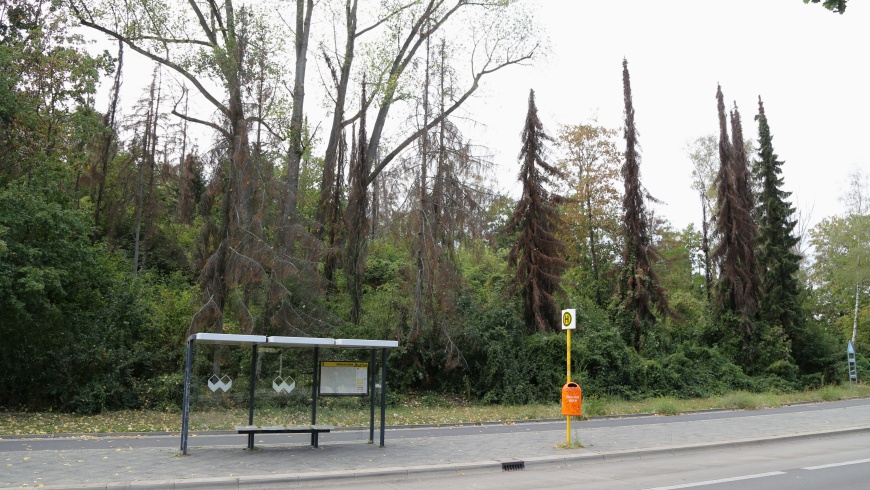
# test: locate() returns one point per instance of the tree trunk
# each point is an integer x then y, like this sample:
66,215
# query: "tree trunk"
376,207
109,122
185,182
140,192
705,246
335,132
149,196
424,204
333,212
294,154
438,187
857,304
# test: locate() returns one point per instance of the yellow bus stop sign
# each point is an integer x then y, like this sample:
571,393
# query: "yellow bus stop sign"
569,319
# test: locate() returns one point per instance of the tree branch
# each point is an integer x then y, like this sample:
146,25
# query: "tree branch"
271,131
359,113
215,10
410,139
202,22
163,61
376,24
172,41
212,125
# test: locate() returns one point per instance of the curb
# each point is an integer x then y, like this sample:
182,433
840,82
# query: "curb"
400,473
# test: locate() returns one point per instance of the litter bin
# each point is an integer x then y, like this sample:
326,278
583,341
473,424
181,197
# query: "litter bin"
572,400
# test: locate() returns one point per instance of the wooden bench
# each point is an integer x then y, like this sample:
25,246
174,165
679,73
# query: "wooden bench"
314,430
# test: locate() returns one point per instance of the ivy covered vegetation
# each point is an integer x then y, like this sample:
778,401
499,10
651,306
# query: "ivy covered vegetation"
119,237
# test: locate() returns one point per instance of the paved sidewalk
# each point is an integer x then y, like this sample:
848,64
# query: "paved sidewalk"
277,465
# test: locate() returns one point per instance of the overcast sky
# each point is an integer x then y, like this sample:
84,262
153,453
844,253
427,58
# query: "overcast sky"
809,65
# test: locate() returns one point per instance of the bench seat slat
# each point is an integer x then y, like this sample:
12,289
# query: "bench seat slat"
253,429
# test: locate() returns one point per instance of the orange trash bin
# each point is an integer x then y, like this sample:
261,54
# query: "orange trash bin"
572,400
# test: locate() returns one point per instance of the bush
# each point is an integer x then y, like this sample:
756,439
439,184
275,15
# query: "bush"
606,366
694,372
78,333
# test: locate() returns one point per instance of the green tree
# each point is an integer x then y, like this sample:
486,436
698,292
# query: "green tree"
841,267
778,264
69,319
592,213
537,254
839,272
46,98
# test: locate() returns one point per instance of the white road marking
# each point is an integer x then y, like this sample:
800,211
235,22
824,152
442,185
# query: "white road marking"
833,465
723,480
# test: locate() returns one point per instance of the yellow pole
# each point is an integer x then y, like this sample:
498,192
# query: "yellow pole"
568,417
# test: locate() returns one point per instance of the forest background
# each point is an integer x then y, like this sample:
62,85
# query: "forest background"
124,231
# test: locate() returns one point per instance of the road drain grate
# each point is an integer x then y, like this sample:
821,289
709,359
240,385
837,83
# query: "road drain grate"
513,466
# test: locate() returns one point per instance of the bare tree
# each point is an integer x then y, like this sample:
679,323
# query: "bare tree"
500,44
149,145
108,140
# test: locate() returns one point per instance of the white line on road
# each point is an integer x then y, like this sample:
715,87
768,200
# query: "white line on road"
723,480
832,465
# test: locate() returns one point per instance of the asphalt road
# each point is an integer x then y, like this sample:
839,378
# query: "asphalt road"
833,462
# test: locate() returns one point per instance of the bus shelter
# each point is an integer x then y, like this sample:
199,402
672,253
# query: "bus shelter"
257,341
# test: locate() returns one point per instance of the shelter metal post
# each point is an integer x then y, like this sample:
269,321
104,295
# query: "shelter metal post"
185,404
253,384
314,381
372,378
383,392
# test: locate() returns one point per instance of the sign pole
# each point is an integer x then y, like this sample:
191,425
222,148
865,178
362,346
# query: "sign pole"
568,323
568,417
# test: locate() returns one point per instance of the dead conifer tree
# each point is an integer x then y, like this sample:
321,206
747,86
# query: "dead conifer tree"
537,255
639,286
356,218
735,253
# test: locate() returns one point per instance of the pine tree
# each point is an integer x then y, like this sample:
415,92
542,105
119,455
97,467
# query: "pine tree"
639,286
735,253
537,255
779,299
